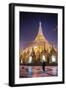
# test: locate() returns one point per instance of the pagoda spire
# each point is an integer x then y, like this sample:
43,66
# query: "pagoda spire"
40,36
40,29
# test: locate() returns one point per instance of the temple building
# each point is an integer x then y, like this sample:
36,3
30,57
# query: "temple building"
39,49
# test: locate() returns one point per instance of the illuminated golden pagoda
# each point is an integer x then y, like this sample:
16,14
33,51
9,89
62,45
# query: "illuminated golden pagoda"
40,39
38,46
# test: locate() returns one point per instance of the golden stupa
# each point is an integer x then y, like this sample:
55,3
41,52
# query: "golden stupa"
39,44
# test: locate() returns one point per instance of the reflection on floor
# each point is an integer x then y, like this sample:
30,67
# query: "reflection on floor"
36,71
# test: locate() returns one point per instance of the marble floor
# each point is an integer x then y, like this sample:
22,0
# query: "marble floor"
36,71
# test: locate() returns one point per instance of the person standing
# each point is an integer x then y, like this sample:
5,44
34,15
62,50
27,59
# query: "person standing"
43,66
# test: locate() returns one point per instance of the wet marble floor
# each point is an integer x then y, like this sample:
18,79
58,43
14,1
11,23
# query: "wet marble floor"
36,71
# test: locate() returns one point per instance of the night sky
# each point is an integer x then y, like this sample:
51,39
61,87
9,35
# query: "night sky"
29,24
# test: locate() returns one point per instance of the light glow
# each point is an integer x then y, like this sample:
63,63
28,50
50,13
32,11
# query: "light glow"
43,58
53,59
30,59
